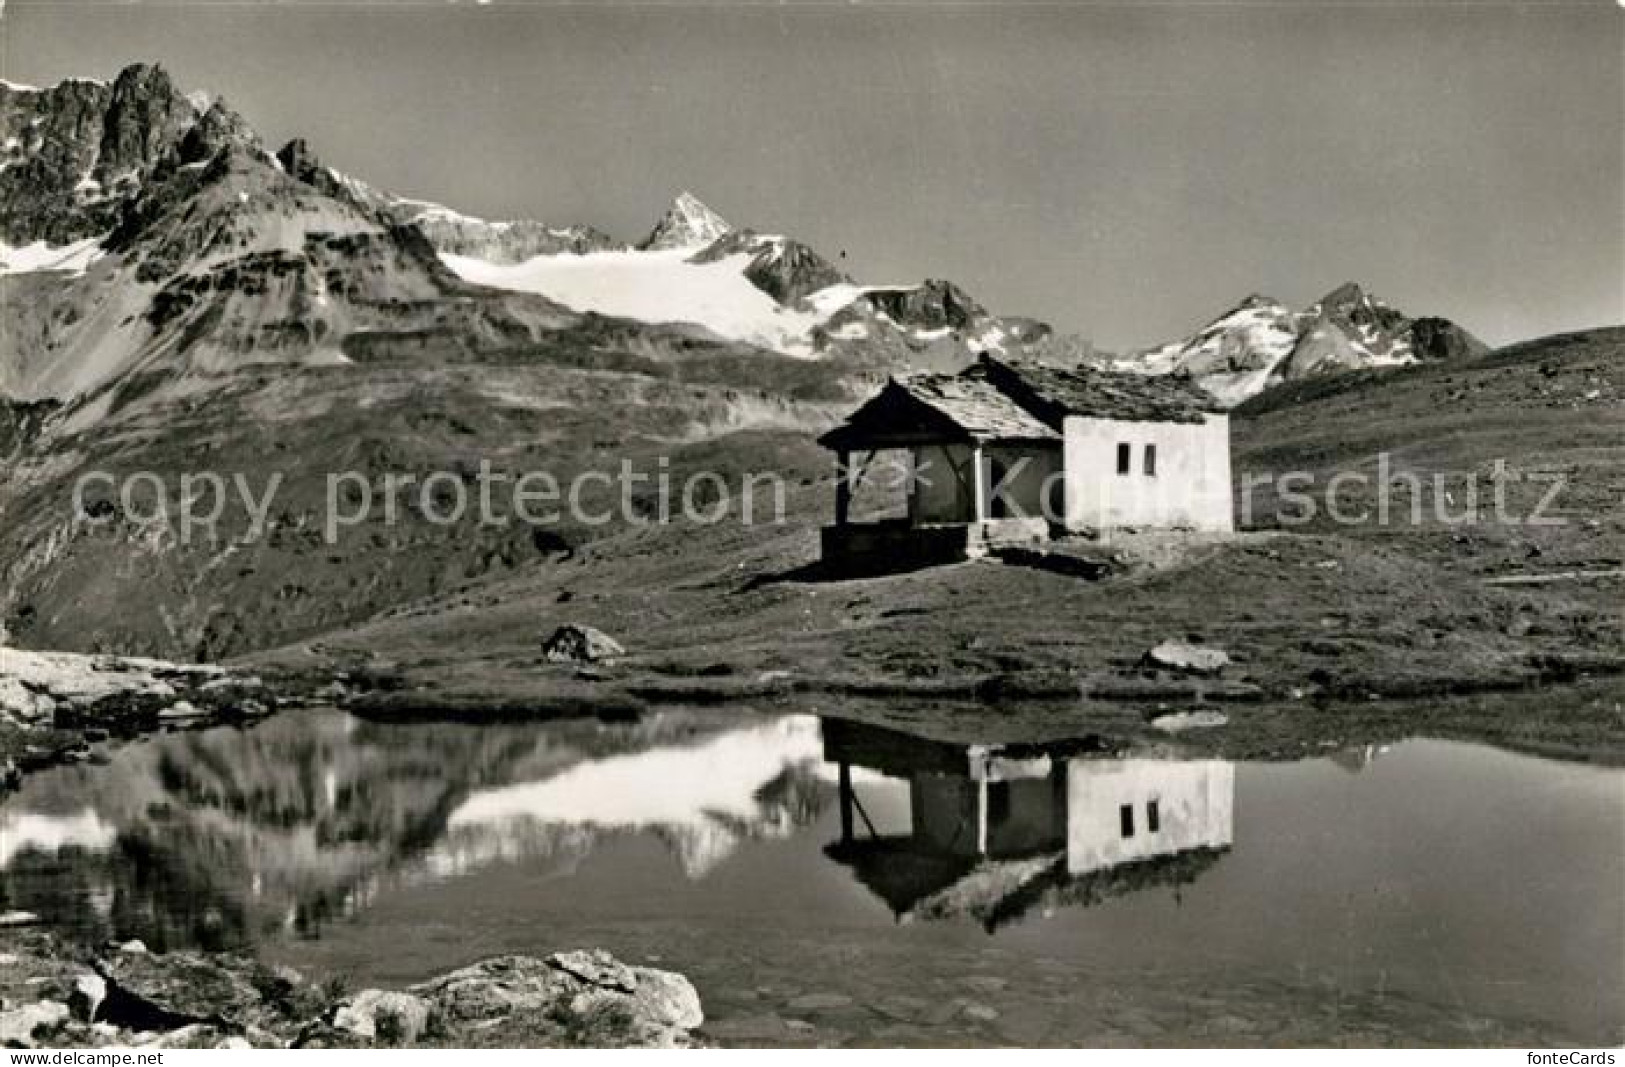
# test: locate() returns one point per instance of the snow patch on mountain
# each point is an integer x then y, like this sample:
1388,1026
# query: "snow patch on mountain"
73,258
657,287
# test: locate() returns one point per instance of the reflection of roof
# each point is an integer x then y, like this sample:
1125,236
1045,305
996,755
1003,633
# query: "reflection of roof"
1002,400
923,885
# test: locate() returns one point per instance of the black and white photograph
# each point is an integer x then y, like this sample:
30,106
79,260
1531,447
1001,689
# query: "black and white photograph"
714,524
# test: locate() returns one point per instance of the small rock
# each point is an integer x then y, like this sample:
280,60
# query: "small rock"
181,711
18,1025
398,1018
1183,656
18,918
572,643
981,1013
1180,721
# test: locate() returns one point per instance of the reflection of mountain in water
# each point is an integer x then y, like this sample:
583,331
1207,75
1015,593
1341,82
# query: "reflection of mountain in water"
212,838
703,799
995,833
222,837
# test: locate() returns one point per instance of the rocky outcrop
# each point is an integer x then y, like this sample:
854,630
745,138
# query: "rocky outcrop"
51,703
581,644
784,269
501,242
51,995
75,154
1261,342
20,423
574,998
1436,339
932,306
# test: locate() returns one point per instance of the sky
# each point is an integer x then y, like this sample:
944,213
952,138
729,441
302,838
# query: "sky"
1126,172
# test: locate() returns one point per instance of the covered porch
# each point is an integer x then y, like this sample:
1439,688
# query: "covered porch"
942,469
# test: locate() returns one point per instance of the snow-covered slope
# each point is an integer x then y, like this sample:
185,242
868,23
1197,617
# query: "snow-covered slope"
71,258
663,286
761,289
1262,342
511,241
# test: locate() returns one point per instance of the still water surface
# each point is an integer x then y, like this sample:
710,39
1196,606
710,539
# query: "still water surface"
826,883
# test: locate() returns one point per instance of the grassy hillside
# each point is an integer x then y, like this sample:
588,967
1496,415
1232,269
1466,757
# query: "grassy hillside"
450,619
1338,614
127,583
1553,410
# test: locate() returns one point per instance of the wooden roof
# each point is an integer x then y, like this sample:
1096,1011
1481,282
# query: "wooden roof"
928,408
1006,400
1052,393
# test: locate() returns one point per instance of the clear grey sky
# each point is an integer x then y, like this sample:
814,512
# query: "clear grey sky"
1123,171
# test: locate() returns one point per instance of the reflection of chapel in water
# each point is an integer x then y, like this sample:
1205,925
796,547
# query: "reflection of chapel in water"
996,832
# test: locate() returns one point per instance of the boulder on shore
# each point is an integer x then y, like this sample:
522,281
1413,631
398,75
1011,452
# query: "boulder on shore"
586,998
572,643
1176,655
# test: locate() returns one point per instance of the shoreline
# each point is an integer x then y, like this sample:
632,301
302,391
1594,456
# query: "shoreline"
1117,710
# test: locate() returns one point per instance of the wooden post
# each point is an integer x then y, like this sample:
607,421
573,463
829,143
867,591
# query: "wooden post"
978,485
845,790
843,487
981,811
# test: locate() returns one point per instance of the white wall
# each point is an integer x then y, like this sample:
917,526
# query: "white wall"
1195,807
1191,488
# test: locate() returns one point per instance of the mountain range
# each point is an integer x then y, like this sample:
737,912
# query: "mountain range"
146,232
175,294
1262,342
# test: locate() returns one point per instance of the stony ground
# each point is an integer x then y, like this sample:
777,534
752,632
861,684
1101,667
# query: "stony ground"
54,995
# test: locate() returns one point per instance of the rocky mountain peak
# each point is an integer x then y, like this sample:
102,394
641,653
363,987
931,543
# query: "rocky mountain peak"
688,223
936,304
1262,342
299,160
1258,300
76,152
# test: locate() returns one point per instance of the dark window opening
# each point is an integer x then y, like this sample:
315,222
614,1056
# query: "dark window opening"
1125,818
1125,458
1151,459
1153,818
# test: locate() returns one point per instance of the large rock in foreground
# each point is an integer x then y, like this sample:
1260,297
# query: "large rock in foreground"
49,996
572,998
